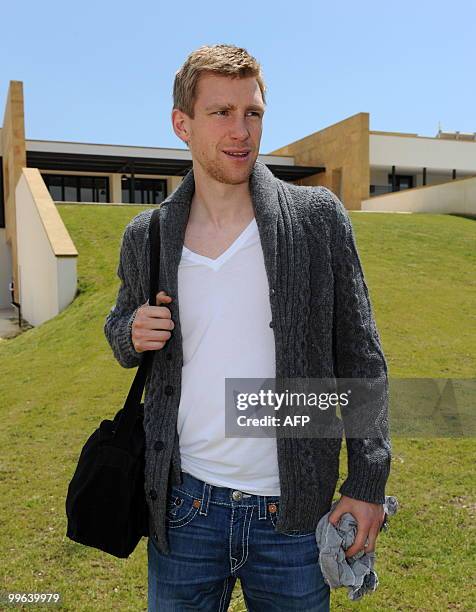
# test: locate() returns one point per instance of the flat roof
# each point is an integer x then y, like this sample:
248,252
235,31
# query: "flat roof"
457,136
89,157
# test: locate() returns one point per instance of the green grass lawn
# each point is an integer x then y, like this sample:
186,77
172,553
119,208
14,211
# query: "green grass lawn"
60,379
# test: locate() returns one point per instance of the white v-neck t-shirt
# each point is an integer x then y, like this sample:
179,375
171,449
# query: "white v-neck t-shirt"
224,315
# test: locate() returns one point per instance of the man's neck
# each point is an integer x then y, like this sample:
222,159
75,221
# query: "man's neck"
219,212
219,205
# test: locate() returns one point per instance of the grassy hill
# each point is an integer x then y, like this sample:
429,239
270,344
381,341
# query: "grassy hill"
60,379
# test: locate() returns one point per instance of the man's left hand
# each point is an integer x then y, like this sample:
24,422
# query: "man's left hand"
369,519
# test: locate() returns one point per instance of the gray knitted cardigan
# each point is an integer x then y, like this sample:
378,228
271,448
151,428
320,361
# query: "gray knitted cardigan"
323,326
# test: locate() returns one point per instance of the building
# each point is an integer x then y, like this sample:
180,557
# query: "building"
368,170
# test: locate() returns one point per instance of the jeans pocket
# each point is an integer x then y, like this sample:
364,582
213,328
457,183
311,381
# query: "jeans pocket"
181,509
273,511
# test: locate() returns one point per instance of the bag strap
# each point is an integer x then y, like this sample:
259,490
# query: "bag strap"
131,407
154,240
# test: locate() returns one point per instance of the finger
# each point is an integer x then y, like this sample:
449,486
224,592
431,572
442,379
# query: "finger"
162,297
149,346
155,319
155,336
334,516
145,341
372,539
147,329
159,336
362,534
163,323
157,312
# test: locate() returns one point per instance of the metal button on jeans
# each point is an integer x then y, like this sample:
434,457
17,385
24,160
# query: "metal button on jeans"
237,495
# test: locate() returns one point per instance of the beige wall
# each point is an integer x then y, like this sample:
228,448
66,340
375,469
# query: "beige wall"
417,152
343,148
46,254
458,196
174,182
14,159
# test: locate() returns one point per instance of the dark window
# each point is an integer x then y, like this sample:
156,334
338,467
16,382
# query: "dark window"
86,190
55,186
380,189
70,188
402,181
2,203
75,188
146,190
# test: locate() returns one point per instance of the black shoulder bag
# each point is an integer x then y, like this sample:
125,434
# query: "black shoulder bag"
105,504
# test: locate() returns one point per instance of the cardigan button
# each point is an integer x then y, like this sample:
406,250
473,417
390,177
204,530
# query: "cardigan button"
168,356
169,390
271,323
153,494
158,445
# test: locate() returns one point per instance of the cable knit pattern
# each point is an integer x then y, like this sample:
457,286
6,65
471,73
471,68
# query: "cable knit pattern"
359,355
323,327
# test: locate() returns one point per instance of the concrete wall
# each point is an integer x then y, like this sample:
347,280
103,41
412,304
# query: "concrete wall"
458,196
417,152
46,254
343,148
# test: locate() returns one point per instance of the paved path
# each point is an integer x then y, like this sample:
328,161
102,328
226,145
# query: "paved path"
9,322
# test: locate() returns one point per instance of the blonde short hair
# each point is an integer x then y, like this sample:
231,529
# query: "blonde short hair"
221,59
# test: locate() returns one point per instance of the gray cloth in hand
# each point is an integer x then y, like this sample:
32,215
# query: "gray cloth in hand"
356,572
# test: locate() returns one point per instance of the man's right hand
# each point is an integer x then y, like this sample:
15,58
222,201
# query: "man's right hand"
152,325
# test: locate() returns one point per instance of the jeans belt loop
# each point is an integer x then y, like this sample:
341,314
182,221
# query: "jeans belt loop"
261,507
206,492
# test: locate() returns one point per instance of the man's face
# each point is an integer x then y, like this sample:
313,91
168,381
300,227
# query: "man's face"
228,118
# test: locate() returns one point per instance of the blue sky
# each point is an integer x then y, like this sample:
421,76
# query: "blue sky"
103,71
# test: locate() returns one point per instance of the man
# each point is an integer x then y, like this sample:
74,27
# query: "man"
259,278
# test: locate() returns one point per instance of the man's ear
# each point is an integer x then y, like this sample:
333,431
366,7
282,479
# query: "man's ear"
180,125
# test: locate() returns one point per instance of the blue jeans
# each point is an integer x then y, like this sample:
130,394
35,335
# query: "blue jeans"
216,535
